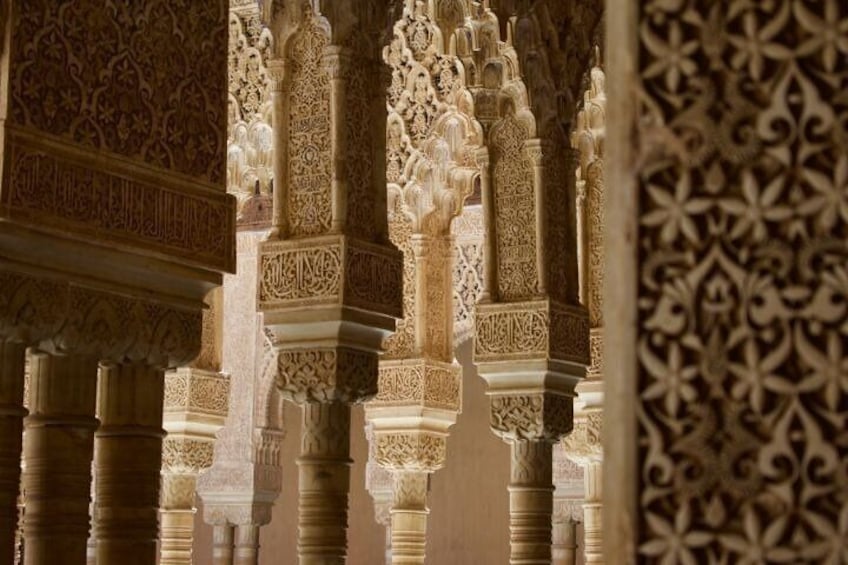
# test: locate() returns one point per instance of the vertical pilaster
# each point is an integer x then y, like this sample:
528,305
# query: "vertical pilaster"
129,459
12,413
58,452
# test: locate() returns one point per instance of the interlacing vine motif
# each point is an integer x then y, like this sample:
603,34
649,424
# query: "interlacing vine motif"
92,73
744,282
309,146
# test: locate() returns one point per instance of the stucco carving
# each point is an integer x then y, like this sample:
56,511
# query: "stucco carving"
542,416
411,451
740,174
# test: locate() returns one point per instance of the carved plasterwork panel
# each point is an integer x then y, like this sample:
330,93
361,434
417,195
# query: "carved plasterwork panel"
531,330
425,383
743,386
250,148
309,144
467,270
143,80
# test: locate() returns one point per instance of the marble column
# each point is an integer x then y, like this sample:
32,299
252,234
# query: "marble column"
129,459
222,544
58,452
12,412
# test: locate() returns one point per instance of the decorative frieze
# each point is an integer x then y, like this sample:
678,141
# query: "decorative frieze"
55,189
69,317
191,391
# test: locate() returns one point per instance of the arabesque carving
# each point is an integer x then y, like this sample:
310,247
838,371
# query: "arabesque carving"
740,169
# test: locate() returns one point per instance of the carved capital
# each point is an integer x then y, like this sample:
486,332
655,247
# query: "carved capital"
534,417
184,455
332,374
411,451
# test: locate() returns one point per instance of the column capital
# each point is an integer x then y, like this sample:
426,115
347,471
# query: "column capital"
537,416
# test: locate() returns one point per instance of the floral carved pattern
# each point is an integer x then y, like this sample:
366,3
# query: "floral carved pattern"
744,282
309,145
94,74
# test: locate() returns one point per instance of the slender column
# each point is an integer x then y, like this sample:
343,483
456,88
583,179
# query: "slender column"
129,459
12,413
222,544
324,481
531,502
592,515
564,542
58,451
247,545
177,528
409,518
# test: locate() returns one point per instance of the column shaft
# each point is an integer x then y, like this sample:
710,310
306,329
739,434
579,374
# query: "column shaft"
247,545
58,451
129,459
11,428
324,481
564,543
222,544
409,518
176,537
531,502
592,508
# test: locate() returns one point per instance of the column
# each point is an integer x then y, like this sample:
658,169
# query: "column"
531,501
735,385
129,459
584,447
330,283
222,544
246,547
58,453
323,483
12,413
569,494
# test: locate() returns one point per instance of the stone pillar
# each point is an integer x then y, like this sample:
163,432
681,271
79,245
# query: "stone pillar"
58,452
531,501
129,460
380,484
194,410
727,373
329,280
12,412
